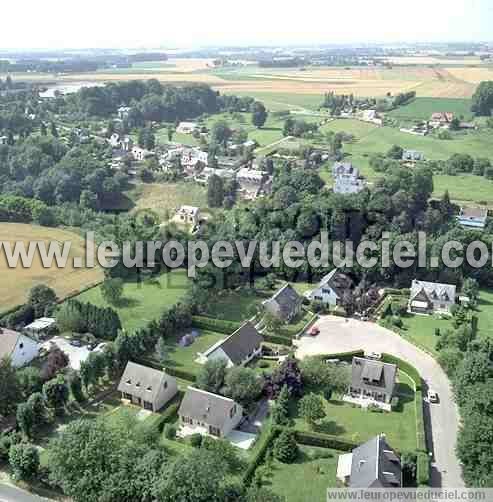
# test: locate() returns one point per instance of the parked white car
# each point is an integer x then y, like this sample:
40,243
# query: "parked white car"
432,396
373,355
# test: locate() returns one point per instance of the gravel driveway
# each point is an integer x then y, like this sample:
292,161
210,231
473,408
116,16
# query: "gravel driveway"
441,420
75,354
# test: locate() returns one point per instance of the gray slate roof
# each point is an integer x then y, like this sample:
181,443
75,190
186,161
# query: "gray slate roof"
206,407
143,382
288,300
373,375
240,344
375,465
8,341
434,291
337,281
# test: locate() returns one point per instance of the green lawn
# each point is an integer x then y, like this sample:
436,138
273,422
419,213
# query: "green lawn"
380,139
420,330
308,477
239,305
183,358
422,108
145,301
466,187
297,325
356,424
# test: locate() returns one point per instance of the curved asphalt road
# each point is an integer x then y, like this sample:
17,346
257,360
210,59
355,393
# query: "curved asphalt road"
10,493
441,420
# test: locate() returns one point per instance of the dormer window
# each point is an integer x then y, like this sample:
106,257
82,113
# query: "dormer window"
137,384
149,389
129,382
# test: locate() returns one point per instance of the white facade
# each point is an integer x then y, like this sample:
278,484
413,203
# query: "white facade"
141,154
18,347
187,127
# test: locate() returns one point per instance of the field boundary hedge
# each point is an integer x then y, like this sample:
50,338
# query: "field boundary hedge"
260,456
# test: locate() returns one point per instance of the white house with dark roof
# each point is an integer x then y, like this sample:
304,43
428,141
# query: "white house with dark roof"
372,382
124,112
331,288
347,178
146,387
285,304
238,349
473,217
412,156
209,414
431,297
189,215
374,464
19,348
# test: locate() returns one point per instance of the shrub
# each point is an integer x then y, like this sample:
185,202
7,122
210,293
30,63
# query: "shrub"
423,469
24,460
195,440
170,431
263,364
285,448
277,339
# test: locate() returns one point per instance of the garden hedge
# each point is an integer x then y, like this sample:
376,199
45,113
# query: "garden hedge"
184,375
213,324
423,469
267,441
324,441
278,339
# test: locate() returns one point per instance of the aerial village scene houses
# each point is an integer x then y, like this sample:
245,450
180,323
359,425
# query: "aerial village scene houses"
249,382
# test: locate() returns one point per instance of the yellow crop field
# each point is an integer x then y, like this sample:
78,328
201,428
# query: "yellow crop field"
15,283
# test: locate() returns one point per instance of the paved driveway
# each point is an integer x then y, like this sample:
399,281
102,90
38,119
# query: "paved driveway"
75,354
12,494
441,420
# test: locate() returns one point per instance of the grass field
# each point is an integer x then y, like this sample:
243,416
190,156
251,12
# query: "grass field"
183,358
16,282
234,305
307,478
359,425
145,301
165,198
422,108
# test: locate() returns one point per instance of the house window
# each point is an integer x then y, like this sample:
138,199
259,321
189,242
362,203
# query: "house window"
21,345
214,431
148,405
232,412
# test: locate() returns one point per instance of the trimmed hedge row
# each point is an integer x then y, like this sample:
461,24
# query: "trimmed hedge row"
184,375
423,469
324,441
343,356
420,422
212,324
278,339
260,456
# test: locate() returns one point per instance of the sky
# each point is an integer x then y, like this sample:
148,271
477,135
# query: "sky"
197,23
